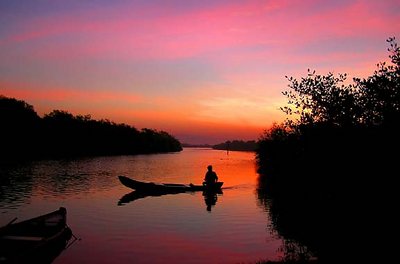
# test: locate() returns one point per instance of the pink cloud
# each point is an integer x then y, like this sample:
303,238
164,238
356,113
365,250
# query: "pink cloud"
175,36
199,32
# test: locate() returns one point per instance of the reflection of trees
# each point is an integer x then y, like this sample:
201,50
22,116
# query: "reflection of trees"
15,186
284,221
64,177
329,227
60,178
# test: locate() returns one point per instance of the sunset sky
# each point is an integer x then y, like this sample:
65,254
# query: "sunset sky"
204,71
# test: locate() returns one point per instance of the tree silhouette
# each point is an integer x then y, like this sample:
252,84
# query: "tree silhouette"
322,99
380,93
19,128
238,145
326,99
330,168
60,134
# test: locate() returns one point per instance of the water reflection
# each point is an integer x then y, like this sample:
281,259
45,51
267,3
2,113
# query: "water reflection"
210,198
15,186
91,190
52,178
135,195
332,228
293,222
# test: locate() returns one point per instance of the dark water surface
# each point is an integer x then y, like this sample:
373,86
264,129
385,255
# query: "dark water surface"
175,228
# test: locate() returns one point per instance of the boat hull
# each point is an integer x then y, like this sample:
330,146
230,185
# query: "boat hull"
166,187
36,240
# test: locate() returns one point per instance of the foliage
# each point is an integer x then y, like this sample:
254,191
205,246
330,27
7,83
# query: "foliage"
326,99
21,110
380,93
322,99
237,145
19,127
61,134
319,169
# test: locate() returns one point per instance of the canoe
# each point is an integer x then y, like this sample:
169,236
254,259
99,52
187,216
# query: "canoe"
166,187
37,240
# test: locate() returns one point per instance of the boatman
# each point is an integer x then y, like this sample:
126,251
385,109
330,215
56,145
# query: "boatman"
211,177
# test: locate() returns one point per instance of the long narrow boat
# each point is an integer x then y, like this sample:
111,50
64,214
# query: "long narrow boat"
167,187
36,240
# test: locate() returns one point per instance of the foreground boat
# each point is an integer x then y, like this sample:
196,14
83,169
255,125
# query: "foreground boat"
37,240
151,187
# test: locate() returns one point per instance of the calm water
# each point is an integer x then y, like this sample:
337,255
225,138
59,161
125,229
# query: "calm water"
174,228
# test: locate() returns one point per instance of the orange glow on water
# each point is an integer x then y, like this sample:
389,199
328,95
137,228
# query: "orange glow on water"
178,227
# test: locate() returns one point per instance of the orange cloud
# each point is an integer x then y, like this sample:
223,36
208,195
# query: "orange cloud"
34,93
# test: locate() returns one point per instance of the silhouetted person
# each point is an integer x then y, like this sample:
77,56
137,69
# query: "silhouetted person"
211,177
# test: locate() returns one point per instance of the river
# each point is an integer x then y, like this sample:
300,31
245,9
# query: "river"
232,227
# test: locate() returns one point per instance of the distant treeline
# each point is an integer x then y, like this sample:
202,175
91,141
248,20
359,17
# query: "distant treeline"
188,145
60,134
237,145
330,171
